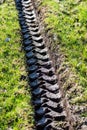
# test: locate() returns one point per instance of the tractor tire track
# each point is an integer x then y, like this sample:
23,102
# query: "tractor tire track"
48,102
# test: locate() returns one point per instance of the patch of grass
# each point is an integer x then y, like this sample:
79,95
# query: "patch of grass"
68,21
84,114
15,108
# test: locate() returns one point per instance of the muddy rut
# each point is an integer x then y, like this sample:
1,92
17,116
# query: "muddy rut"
49,104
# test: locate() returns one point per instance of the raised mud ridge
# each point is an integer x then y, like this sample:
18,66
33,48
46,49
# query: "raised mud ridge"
50,112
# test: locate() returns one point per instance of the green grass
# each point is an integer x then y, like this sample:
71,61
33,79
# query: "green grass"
84,114
15,107
68,21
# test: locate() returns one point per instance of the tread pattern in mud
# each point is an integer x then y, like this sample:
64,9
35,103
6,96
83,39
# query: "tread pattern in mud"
46,94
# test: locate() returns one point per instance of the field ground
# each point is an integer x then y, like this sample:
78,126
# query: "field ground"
66,21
